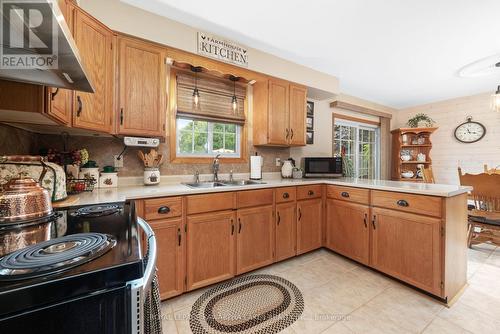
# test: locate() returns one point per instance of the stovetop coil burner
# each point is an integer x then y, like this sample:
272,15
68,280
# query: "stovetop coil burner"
54,255
97,210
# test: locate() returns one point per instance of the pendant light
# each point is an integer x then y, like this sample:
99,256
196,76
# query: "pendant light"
196,93
234,101
495,100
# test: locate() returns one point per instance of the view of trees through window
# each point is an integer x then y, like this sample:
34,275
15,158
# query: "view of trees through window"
200,138
358,146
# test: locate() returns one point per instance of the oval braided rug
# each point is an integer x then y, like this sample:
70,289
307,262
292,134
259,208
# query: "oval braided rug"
250,304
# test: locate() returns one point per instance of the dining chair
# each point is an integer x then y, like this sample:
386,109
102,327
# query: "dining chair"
495,170
428,175
484,213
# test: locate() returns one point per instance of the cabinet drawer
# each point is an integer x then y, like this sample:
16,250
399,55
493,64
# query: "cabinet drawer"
427,205
210,202
350,194
159,208
287,194
249,198
307,192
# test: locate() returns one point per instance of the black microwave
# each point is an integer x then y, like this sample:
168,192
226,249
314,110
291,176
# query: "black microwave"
322,167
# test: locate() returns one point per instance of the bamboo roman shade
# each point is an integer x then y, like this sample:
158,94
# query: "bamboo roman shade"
215,98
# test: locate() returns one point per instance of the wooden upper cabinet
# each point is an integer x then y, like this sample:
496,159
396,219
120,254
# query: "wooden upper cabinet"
141,87
286,230
298,111
347,229
94,111
59,104
309,224
408,246
255,238
210,252
279,113
170,238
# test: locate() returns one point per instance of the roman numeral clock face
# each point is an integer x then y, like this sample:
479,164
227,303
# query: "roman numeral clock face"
470,132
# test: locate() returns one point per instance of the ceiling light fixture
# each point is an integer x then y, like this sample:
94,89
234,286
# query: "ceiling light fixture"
235,100
482,67
495,100
196,93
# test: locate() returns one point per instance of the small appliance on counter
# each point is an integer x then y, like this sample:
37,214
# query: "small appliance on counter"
89,276
324,167
256,163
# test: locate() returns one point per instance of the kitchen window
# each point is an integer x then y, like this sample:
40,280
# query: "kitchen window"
359,145
201,138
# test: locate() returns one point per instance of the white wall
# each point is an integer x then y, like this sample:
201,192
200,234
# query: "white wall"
134,21
448,153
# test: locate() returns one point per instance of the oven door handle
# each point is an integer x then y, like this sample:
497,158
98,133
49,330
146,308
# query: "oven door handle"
150,270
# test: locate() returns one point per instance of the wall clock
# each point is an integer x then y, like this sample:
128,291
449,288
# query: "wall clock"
470,131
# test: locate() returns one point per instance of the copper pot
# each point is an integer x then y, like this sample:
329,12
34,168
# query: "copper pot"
23,199
17,236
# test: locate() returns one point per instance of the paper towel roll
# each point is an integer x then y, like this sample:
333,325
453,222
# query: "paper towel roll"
256,162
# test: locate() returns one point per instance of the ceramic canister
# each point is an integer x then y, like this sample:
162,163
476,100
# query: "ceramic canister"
151,176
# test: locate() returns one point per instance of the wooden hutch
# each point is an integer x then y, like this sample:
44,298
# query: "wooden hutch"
412,142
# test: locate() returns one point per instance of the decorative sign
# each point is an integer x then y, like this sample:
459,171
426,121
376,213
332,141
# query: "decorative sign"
221,49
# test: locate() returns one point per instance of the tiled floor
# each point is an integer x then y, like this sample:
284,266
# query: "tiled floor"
343,297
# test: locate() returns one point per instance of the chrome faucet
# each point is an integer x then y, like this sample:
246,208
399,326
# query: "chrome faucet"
215,167
231,179
197,177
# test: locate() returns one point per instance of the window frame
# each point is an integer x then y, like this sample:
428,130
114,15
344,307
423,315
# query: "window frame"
358,125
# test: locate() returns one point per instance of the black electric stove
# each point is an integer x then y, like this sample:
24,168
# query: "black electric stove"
93,250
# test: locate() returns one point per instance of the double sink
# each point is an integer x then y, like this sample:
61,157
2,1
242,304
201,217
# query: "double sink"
222,183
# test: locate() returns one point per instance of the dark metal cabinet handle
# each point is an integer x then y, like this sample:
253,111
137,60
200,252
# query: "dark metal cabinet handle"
53,95
279,218
374,221
310,192
403,203
163,210
286,195
300,214
121,116
179,236
291,133
232,227
365,220
287,133
80,106
344,194
239,228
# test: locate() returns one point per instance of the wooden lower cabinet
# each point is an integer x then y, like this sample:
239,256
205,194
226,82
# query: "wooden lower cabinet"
408,246
309,224
170,238
347,230
210,251
255,238
286,231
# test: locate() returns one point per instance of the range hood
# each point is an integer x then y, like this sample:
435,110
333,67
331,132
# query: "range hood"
69,72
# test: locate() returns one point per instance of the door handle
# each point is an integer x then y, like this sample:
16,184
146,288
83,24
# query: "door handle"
53,95
365,220
310,192
80,106
291,134
279,218
286,195
163,210
232,227
287,133
402,203
300,213
239,228
344,194
179,236
374,221
121,116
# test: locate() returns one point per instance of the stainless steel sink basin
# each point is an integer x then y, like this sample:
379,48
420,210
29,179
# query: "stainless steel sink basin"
242,182
205,184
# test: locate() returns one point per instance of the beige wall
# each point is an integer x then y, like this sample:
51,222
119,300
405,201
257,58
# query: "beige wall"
134,21
447,153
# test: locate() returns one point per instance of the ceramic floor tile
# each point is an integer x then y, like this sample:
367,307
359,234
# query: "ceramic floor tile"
304,278
338,328
369,320
182,321
487,280
481,301
340,261
185,300
441,326
494,258
314,319
168,324
471,319
166,307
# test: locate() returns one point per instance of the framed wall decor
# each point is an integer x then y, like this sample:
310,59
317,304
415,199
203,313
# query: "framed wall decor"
310,123
310,108
309,137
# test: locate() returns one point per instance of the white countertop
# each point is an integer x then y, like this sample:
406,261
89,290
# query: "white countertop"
109,195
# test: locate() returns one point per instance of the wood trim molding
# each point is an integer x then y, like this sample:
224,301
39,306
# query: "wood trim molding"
363,110
354,119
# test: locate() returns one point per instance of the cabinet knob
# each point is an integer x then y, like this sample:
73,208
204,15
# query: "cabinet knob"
286,195
310,192
402,203
163,210
344,194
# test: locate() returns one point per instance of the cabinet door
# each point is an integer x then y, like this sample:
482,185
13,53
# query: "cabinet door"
407,246
286,231
93,111
210,248
170,239
59,104
278,126
255,241
298,110
309,225
347,229
142,88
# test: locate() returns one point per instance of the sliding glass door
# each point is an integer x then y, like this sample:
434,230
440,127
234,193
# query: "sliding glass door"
359,146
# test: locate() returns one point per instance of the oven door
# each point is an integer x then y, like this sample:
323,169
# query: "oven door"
323,167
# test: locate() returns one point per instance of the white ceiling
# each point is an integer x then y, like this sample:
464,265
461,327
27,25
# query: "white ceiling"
396,52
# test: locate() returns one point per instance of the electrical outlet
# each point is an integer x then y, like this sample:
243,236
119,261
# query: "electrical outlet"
278,162
118,163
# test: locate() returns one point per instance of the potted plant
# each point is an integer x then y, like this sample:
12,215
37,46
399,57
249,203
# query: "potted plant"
420,120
